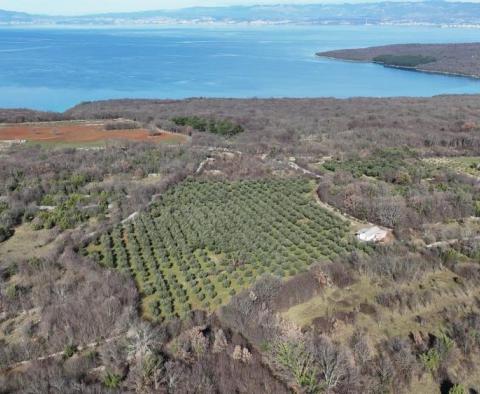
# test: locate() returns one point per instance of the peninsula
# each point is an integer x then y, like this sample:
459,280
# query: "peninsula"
455,59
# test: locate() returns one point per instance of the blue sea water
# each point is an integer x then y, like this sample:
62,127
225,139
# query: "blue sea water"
54,69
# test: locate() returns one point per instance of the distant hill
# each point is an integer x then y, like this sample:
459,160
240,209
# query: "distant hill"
428,12
13,17
459,59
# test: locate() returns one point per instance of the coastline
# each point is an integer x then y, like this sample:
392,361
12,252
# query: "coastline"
405,68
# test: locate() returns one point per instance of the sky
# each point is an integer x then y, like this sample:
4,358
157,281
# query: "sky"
76,7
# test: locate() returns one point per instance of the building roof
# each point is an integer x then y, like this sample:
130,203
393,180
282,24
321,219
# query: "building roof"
372,234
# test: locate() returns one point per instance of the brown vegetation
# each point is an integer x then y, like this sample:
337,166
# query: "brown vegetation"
317,127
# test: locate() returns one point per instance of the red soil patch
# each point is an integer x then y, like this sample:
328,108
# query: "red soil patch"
79,132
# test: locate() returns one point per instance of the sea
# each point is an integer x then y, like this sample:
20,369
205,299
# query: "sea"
55,68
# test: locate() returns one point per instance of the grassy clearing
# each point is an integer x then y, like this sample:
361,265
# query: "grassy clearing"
332,300
204,241
386,321
462,164
11,329
26,243
171,139
66,144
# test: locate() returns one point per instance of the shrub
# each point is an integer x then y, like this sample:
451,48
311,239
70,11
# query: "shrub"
112,380
431,360
69,351
457,389
5,233
12,291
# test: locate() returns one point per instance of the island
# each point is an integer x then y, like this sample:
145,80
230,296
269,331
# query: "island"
455,59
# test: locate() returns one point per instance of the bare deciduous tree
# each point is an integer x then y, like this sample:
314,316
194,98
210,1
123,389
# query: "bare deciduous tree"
220,344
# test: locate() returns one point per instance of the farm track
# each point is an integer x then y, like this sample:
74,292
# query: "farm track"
451,242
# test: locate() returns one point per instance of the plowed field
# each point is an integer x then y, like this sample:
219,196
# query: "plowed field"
79,132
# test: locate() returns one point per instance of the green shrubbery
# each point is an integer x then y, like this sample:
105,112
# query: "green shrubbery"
112,380
404,60
388,164
433,358
5,232
222,127
66,215
3,206
69,351
457,389
8,219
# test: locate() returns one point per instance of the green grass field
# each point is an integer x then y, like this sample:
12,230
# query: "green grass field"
204,241
467,165
65,145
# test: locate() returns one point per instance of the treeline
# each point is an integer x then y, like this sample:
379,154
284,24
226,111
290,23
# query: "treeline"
221,127
27,115
122,125
443,125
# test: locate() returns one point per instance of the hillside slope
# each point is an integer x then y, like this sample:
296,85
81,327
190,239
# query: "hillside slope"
428,12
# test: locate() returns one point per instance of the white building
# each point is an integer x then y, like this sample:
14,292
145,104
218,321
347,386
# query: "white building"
372,234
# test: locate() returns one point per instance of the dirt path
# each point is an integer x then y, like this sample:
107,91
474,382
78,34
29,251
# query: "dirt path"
186,138
303,170
203,164
451,242
90,345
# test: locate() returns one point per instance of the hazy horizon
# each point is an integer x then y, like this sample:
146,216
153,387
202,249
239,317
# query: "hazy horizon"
57,7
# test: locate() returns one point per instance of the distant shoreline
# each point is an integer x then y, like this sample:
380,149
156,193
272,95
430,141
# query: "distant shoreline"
254,23
441,14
